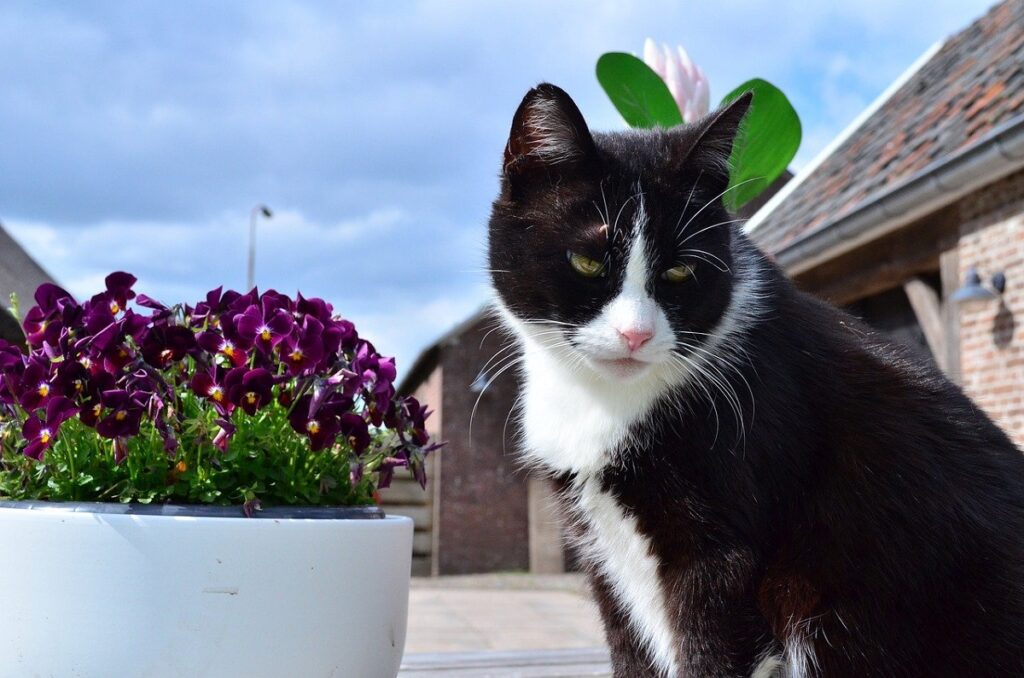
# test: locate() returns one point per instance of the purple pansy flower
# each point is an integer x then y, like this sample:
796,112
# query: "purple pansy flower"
35,388
12,367
205,312
44,321
264,326
125,414
41,433
218,344
165,344
321,429
209,384
123,372
356,431
303,349
71,378
312,308
249,389
119,289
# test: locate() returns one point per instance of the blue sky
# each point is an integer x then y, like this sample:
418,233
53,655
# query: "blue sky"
137,136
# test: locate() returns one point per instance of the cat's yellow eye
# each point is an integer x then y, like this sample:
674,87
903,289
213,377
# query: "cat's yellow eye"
678,273
585,266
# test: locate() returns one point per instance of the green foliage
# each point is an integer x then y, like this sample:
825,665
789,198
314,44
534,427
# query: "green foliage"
638,93
769,139
266,460
14,309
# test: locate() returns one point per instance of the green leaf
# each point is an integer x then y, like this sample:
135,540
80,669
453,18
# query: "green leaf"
768,141
638,93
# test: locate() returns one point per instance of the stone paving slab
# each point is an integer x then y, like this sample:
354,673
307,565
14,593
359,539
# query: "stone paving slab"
501,613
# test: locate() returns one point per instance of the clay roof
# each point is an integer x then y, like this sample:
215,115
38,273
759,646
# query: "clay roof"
971,85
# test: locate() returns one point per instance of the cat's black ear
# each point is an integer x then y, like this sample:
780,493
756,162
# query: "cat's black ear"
548,131
716,135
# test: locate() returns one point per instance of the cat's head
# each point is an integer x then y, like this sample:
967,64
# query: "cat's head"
613,251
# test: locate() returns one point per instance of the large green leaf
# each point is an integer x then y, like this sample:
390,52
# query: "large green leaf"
639,94
768,140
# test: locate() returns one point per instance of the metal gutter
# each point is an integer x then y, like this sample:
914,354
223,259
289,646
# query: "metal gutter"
942,183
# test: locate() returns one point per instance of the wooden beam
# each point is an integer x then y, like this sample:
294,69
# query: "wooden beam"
884,264
928,309
949,268
877,277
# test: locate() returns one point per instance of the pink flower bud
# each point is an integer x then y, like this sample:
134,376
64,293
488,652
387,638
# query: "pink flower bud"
685,80
654,58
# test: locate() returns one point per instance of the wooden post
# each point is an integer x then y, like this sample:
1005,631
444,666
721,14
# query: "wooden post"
928,309
546,549
949,268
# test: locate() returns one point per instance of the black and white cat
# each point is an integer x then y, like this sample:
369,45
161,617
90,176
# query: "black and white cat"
759,484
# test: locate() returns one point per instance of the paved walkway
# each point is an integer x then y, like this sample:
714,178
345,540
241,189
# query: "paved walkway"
501,612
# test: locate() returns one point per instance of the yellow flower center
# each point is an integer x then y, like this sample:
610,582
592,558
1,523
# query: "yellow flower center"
114,308
217,393
79,386
44,436
44,390
96,409
181,467
295,356
121,415
313,426
265,334
122,353
228,349
251,397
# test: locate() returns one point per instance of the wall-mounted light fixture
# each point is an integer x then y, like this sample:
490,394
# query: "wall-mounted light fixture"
973,290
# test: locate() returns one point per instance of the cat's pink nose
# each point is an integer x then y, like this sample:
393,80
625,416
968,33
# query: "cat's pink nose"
636,337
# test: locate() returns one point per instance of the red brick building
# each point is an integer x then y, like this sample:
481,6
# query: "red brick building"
927,184
478,497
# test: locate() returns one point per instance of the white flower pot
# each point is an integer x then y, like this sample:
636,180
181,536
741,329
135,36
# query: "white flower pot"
88,593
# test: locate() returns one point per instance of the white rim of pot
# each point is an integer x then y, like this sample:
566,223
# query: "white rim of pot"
201,510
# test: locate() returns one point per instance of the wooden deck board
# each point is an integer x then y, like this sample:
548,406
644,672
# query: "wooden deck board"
574,663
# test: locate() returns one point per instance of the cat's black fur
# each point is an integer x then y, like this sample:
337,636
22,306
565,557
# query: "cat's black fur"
867,507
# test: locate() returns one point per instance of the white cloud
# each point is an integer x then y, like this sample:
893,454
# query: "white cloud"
138,137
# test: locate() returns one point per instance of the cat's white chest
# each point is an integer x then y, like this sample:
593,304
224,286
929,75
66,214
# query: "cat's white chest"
614,544
572,424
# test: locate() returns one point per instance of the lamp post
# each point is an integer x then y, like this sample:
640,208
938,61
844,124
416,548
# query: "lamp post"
253,216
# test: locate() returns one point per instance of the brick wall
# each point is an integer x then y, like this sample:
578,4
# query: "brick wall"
482,514
992,332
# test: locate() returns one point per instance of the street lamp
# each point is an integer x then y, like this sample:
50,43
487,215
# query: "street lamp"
256,212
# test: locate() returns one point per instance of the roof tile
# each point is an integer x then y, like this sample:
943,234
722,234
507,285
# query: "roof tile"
971,85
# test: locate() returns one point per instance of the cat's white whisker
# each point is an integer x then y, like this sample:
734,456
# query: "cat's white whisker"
708,257
604,201
693,371
688,198
682,242
508,365
724,359
714,201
